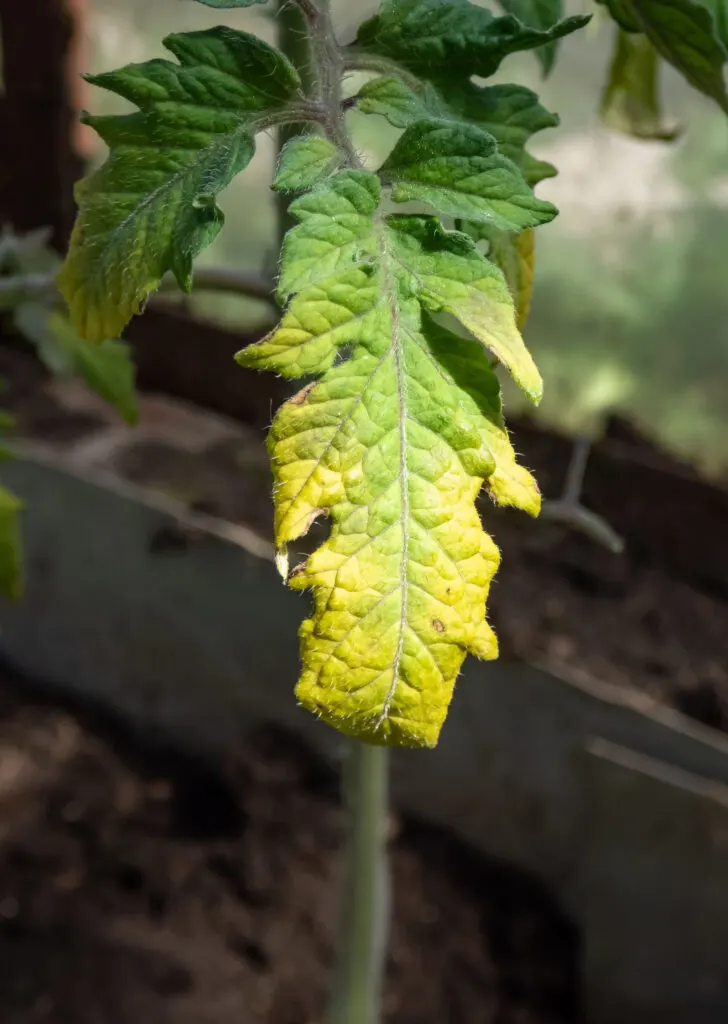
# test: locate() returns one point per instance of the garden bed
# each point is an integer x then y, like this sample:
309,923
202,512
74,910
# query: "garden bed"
151,590
139,885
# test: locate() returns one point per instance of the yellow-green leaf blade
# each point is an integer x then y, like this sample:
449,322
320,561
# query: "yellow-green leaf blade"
393,444
451,276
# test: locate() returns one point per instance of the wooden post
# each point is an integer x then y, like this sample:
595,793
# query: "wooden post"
38,164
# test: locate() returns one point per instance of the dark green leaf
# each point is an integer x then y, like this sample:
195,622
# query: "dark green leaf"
686,34
541,14
510,113
456,168
152,206
455,39
623,14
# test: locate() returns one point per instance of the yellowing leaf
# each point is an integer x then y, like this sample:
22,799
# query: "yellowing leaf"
393,443
514,254
152,206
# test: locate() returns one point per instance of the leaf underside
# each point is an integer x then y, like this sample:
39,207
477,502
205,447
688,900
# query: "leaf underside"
689,34
393,443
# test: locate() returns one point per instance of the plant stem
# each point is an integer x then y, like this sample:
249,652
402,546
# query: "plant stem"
356,992
294,42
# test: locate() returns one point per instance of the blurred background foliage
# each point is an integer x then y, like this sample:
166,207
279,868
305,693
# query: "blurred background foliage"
630,308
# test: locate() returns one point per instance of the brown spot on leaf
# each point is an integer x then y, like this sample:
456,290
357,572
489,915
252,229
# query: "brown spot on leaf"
300,397
438,625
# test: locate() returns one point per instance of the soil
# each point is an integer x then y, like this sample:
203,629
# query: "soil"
140,886
561,600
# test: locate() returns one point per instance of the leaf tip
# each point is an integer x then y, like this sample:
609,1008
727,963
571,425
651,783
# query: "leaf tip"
281,560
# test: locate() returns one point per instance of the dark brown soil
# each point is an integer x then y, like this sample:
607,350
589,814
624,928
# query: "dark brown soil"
562,600
138,886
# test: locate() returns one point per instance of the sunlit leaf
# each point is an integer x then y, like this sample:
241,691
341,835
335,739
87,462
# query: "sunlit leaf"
394,444
456,168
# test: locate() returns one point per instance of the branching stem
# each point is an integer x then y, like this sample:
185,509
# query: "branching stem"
328,68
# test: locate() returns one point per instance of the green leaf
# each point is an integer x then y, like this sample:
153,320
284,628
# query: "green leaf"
390,97
623,14
455,167
455,39
10,545
719,10
152,206
630,103
393,443
514,254
540,14
510,113
107,369
304,160
685,33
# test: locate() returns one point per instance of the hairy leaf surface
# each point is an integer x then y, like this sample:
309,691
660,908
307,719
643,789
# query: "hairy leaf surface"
456,168
303,161
394,443
513,253
152,206
454,39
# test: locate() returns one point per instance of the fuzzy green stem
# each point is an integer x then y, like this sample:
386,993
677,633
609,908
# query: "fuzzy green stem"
356,993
